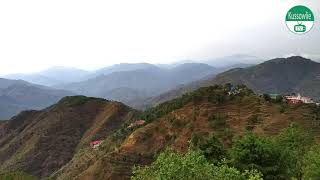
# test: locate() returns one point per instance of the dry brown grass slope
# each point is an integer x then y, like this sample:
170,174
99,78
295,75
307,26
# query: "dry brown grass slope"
175,130
41,142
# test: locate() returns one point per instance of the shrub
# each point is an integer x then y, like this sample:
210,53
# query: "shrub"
293,143
197,139
278,99
252,122
311,168
280,157
258,153
16,176
217,121
267,97
192,165
213,150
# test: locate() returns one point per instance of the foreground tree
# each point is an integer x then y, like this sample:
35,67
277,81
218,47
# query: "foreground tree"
293,143
213,150
311,169
253,152
192,165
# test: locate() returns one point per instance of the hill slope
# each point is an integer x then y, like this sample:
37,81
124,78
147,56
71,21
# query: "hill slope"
52,76
120,68
17,95
173,124
282,75
41,142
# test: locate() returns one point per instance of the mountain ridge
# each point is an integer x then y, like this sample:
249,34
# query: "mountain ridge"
18,95
280,75
40,142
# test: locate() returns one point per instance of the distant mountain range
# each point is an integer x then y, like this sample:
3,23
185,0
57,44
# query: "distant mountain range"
280,75
128,83
52,76
64,75
237,60
143,85
145,81
18,95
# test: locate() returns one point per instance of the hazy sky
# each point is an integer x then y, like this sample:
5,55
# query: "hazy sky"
37,34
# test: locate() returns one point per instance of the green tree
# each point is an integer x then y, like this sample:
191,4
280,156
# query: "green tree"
253,152
266,97
192,165
16,176
217,121
278,99
311,169
293,143
213,150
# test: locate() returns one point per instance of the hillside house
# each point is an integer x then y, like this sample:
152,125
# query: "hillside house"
137,123
294,101
95,144
298,99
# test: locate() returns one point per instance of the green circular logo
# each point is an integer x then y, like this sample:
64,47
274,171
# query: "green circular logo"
299,19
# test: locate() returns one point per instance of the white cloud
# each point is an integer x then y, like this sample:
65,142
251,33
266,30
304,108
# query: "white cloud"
37,34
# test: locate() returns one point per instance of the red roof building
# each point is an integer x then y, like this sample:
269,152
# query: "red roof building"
95,144
294,101
299,99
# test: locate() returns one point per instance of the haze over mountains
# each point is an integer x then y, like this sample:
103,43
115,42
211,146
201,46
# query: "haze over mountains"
51,76
61,75
18,95
129,83
142,85
281,75
139,83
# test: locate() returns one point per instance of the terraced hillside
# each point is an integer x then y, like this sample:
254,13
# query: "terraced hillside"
175,123
41,142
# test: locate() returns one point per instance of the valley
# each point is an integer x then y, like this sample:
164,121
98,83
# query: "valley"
79,137
159,90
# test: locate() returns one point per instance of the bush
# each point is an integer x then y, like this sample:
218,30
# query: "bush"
311,168
192,165
16,176
258,153
213,150
267,97
278,99
197,139
293,143
217,121
252,122
280,157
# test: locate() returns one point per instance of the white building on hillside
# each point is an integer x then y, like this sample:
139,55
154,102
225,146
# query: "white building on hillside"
306,100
